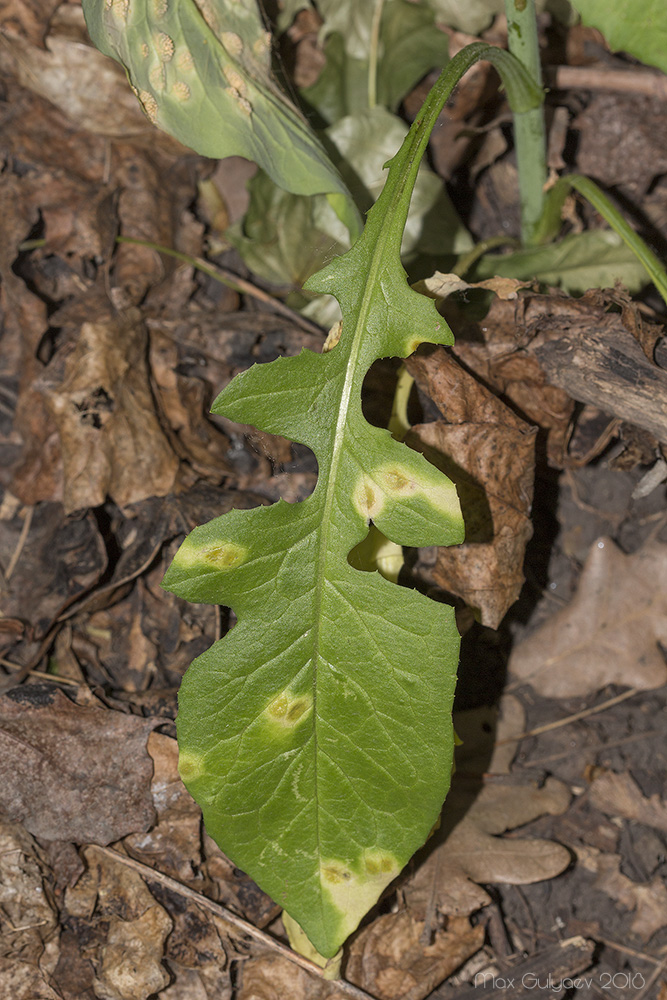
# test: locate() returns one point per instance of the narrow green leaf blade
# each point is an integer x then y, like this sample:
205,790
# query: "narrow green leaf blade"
202,72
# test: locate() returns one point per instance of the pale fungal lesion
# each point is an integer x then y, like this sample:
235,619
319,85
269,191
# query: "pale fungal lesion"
145,50
150,106
165,46
232,43
181,91
263,44
121,8
236,81
184,60
156,77
160,8
288,709
243,103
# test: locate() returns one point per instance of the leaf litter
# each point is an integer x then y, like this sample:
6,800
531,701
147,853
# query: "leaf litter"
87,520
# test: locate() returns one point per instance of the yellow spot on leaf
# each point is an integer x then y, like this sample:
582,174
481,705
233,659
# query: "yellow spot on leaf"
144,50
225,556
335,874
367,498
160,8
288,709
353,888
333,336
262,45
190,766
397,480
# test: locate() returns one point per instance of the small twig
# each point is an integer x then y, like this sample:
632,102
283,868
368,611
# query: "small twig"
21,542
238,923
53,678
570,718
601,78
230,280
593,748
624,950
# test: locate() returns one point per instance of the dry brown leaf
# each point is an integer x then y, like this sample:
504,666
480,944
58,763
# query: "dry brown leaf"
440,285
618,795
489,453
71,773
125,926
272,977
173,843
467,848
648,900
22,981
497,349
26,19
99,394
609,633
88,87
60,559
27,916
197,984
389,960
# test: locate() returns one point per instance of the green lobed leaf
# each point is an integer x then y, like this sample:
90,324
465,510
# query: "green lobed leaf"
410,46
286,238
639,28
316,735
202,72
594,259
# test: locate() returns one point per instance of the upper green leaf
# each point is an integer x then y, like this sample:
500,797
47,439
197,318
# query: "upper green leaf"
202,72
637,28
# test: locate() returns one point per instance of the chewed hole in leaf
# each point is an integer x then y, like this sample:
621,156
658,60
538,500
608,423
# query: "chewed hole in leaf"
378,391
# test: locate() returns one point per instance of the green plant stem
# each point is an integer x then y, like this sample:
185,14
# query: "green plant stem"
601,203
373,52
467,261
529,131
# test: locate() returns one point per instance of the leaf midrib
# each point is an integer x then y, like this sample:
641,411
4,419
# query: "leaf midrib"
377,257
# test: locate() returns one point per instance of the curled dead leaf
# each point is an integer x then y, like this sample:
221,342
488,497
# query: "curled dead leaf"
611,632
440,286
468,848
28,916
389,959
126,927
648,900
489,453
99,394
618,795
